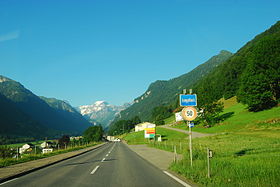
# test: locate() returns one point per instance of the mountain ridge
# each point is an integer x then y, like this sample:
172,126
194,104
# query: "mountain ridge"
52,121
164,92
101,112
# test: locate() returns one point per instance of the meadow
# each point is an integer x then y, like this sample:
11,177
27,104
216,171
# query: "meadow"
246,149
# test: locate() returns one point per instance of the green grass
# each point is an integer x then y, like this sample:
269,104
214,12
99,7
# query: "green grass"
240,159
170,120
167,135
246,150
240,120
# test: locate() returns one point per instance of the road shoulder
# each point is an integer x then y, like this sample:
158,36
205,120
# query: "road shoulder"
159,158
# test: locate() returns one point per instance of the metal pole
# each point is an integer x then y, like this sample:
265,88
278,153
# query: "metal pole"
190,143
208,163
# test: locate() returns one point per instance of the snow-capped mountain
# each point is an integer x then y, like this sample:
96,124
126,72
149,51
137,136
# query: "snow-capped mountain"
101,112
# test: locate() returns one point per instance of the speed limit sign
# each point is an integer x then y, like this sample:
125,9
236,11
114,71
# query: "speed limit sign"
189,113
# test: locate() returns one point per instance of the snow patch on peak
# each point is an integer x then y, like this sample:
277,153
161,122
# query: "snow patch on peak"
97,103
101,111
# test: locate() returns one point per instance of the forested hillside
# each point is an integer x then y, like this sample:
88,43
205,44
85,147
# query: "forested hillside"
74,119
17,125
252,74
25,115
165,92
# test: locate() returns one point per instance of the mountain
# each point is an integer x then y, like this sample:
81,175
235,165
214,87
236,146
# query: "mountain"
47,119
101,112
65,110
166,92
252,74
14,123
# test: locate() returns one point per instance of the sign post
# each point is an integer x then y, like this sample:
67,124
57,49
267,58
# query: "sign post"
209,155
150,131
189,113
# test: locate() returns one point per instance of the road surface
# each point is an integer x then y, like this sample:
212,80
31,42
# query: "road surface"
113,164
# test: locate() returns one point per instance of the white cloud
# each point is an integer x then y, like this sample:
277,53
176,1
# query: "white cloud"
9,36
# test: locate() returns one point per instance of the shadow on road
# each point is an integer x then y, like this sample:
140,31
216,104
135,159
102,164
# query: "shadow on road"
89,162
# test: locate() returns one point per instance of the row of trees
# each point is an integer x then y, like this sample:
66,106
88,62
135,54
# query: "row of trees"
123,126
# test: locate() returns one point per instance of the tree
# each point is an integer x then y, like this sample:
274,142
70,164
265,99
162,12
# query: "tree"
260,82
122,126
160,113
210,114
6,152
93,133
64,140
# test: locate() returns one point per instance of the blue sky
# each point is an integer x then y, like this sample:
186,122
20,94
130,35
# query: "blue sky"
84,51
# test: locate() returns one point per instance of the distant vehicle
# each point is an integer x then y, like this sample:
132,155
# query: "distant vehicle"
117,140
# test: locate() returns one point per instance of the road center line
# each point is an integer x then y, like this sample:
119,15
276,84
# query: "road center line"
107,155
103,160
8,181
94,170
176,179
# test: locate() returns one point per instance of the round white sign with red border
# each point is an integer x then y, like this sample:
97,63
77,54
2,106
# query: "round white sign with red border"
189,113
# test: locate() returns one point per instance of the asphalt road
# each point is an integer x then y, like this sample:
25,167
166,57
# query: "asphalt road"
113,164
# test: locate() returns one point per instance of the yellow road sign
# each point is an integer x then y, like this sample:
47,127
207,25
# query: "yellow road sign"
189,113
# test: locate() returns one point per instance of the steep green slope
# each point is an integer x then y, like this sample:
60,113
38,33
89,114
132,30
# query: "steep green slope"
253,74
166,92
16,125
67,111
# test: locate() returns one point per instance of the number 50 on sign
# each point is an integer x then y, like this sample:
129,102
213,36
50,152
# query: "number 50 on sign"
189,113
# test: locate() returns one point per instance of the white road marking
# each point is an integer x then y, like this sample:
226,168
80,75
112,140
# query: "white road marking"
107,155
8,181
103,160
112,148
94,170
176,179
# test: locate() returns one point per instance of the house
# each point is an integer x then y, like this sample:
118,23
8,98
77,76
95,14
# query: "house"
142,126
178,117
110,138
26,148
75,138
47,150
46,144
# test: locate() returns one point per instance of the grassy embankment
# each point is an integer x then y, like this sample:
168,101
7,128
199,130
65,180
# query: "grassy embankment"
170,139
246,150
246,153
29,157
